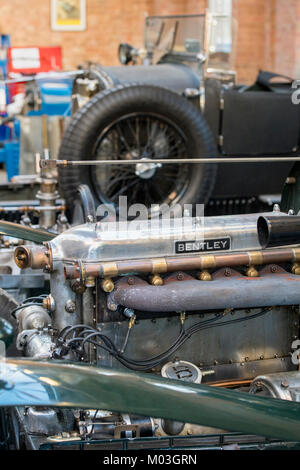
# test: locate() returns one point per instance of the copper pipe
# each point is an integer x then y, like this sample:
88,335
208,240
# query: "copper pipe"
162,265
32,208
231,383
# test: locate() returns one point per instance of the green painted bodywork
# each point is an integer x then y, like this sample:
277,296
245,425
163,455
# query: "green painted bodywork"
290,198
6,332
203,442
25,233
26,382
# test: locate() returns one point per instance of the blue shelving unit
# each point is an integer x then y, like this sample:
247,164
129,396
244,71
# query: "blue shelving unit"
56,98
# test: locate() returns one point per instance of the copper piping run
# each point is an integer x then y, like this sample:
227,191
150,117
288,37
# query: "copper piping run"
32,208
231,383
170,264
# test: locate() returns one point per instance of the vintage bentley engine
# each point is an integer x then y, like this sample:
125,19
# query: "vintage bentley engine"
190,301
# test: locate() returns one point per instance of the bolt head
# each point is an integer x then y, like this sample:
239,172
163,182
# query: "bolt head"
70,306
285,384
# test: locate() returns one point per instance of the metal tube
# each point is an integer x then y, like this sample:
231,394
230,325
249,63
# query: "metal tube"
236,291
25,233
31,208
278,231
47,195
55,163
32,383
161,265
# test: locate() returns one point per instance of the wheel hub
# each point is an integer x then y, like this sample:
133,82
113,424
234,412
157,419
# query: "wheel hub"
146,170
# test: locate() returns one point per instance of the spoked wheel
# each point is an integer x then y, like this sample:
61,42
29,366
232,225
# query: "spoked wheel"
135,122
141,136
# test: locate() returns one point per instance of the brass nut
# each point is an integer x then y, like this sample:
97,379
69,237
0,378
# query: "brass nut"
252,272
107,285
156,280
296,269
204,276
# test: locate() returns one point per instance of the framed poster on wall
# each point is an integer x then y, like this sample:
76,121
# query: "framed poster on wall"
68,15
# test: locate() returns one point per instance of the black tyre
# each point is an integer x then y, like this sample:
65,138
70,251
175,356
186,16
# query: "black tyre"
133,122
84,206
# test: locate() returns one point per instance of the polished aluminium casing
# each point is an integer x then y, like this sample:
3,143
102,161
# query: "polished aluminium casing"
282,385
94,242
111,241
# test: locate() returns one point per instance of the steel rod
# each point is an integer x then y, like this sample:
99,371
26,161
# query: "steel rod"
31,208
56,163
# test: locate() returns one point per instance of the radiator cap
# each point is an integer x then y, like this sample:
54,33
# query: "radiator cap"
182,370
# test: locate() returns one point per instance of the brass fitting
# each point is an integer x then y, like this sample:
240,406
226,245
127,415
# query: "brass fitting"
22,257
46,303
156,280
107,285
252,272
90,282
35,257
296,269
49,303
131,322
159,265
182,318
204,276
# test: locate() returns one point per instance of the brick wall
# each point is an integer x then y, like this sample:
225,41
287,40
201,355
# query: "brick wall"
268,31
268,37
